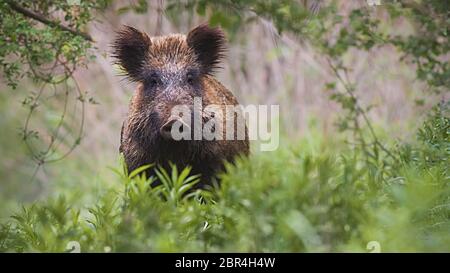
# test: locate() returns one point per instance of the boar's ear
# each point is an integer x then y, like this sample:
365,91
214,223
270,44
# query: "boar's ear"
130,49
209,46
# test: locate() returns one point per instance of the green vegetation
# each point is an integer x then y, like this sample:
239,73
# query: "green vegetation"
293,200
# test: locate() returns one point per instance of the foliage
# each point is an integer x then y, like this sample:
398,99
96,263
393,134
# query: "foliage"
30,48
45,41
434,134
290,201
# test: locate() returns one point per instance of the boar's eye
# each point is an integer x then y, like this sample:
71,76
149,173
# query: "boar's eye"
190,78
152,80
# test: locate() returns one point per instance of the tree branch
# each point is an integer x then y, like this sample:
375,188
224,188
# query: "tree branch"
359,109
44,20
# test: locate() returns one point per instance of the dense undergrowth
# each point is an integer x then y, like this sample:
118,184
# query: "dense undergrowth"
307,196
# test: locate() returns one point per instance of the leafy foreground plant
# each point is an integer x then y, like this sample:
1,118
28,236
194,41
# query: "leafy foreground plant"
288,201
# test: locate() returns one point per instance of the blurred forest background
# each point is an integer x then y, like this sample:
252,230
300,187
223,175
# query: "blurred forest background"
363,91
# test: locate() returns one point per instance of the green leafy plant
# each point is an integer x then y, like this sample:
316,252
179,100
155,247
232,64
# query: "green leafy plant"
287,201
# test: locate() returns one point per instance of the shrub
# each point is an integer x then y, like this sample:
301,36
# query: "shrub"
292,200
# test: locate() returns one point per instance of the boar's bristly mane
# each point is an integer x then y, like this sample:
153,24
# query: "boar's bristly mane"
130,49
209,46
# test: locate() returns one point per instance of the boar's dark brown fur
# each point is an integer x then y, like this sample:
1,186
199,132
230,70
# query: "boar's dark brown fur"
172,70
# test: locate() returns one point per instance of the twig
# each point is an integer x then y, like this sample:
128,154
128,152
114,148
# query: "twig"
38,17
81,129
360,110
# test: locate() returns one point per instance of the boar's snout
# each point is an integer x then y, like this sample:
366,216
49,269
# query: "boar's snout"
173,122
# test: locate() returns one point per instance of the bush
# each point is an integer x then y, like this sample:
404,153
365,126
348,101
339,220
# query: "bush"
292,200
